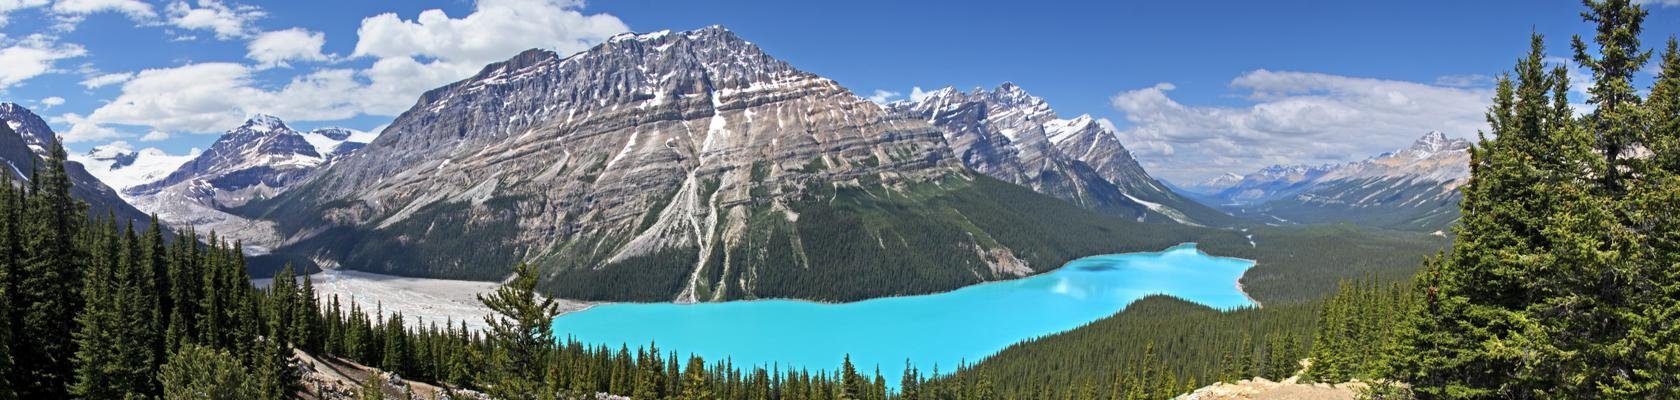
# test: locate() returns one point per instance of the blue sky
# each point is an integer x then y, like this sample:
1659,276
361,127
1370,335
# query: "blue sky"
1193,88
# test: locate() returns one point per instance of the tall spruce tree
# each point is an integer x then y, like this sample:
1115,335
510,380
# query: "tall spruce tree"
50,282
1653,209
1561,283
10,256
520,334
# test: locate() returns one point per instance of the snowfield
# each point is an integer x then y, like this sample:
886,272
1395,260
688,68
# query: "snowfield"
418,299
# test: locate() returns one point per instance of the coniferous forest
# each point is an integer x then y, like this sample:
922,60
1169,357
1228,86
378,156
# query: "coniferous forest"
1563,282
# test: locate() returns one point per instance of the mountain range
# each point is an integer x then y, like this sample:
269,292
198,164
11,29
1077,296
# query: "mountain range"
692,166
1413,188
25,140
1016,137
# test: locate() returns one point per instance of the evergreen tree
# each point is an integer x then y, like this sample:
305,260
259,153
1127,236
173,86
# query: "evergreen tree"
50,282
520,332
197,372
372,389
1563,266
694,381
1654,338
10,257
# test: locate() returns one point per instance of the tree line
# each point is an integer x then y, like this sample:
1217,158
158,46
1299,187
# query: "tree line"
98,309
1565,278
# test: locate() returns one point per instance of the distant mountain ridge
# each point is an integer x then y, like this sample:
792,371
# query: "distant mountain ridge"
685,166
1413,188
24,141
1016,137
258,159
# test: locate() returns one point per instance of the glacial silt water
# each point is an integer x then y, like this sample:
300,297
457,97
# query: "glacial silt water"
945,329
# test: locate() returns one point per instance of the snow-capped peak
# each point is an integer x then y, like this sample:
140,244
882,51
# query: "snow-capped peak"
1433,143
334,142
1063,129
34,130
121,167
264,123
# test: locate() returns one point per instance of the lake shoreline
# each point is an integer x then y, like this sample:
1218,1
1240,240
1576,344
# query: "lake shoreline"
896,296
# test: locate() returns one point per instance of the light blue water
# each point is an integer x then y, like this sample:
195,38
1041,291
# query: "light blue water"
942,329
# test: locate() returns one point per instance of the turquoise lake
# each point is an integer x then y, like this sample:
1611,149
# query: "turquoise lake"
945,329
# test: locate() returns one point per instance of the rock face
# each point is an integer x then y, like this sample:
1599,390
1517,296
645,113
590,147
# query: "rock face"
1414,188
685,166
24,141
258,159
1016,137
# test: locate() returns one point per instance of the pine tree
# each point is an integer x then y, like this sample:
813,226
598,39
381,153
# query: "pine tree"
50,282
694,382
907,385
306,317
520,333
372,389
198,372
1654,338
10,256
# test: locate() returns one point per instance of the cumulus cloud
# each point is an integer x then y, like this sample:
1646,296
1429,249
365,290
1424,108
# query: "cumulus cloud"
71,12
51,102
134,9
497,29
917,94
883,96
33,56
410,57
9,6
1293,118
275,48
1659,3
82,131
1468,80
227,22
102,80
155,136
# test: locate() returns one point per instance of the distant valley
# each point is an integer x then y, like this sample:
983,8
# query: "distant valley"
1413,188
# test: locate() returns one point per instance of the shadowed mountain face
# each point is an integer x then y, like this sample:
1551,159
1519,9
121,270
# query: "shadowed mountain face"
1414,188
24,139
672,165
1016,137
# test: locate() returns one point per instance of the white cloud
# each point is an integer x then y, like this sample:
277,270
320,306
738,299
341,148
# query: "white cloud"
412,56
155,136
275,48
883,96
33,56
496,30
71,12
81,131
228,22
917,94
51,102
1659,3
9,6
1294,118
102,80
1468,80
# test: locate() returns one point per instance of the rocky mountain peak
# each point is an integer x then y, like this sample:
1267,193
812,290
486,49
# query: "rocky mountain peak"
334,133
265,123
1433,143
118,154
31,127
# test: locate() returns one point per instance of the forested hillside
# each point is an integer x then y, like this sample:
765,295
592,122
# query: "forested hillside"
1563,282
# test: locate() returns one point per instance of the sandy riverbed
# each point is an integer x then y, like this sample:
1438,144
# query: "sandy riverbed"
418,299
